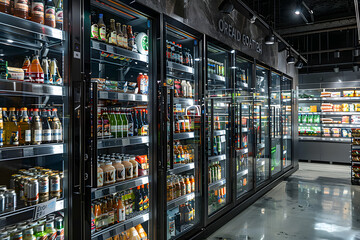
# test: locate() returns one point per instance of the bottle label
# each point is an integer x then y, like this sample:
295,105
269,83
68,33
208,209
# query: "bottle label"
102,33
14,138
56,135
120,174
37,9
27,135
94,31
37,77
46,135
50,14
59,16
119,40
109,177
131,129
121,214
22,5
37,135
113,38
43,186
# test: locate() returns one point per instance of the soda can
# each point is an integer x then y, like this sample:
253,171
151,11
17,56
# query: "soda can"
2,203
43,188
32,192
3,188
10,200
13,181
17,235
55,185
59,226
22,190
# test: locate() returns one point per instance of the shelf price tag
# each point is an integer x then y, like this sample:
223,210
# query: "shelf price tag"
43,209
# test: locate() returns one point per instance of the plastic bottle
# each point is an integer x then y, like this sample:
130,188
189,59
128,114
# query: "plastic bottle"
128,168
119,170
135,166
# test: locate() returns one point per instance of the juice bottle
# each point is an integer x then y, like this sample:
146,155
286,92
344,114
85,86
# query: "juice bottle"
21,9
98,214
188,185
37,11
36,73
24,128
128,168
5,6
121,210
11,128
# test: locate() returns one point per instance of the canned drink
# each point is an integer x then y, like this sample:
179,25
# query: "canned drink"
43,188
13,180
10,200
55,185
22,190
17,235
4,236
59,226
29,233
2,203
32,192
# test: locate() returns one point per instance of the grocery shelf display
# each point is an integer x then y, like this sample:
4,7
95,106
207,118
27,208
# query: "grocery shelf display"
287,109
355,156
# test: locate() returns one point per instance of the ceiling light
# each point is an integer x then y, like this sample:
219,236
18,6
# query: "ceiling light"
232,51
10,41
270,39
226,7
336,69
299,64
290,59
297,12
337,54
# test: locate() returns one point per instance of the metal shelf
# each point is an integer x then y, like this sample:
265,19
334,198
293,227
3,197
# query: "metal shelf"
130,97
329,125
179,168
25,213
185,101
180,200
27,88
186,135
28,151
117,187
242,173
330,113
217,158
122,142
241,151
325,139
216,77
217,184
120,227
180,67
25,27
219,132
100,46
329,99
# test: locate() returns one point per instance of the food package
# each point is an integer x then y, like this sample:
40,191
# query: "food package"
337,108
16,74
345,119
335,94
313,108
122,236
132,234
141,232
326,94
327,107
352,107
355,119
349,93
357,107
335,132
327,120
357,93
345,107
326,132
304,119
316,119
100,83
344,133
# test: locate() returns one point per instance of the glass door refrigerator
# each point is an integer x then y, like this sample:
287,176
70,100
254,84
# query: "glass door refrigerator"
119,40
34,122
243,134
218,108
286,119
181,131
261,124
275,123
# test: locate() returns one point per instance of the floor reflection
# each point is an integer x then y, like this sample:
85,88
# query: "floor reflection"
317,202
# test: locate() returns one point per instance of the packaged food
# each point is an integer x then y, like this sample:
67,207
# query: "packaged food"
304,119
100,83
16,74
344,133
327,120
327,107
345,107
316,119
357,93
141,232
325,94
355,119
310,119
337,108
335,132
335,94
356,169
312,108
345,119
326,132
351,107
132,234
349,93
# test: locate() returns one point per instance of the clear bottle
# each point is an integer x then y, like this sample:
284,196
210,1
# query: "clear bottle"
113,124
56,127
120,126
109,173
131,39
124,124
46,128
36,128
129,168
120,170
24,128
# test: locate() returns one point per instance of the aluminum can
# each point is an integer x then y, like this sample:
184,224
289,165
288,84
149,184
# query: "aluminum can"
43,188
2,203
17,235
55,185
59,226
32,192
10,200
22,190
3,188
13,180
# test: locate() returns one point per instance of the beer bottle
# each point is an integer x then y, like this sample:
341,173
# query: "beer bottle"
112,36
118,35
21,9
1,129
131,39
46,129
102,28
36,128
37,11
50,14
124,37
130,124
24,128
11,128
59,15
56,127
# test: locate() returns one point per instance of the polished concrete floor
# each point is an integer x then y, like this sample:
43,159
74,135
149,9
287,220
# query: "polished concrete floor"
316,202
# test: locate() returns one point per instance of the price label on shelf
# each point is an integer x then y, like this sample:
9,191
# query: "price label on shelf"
43,209
223,139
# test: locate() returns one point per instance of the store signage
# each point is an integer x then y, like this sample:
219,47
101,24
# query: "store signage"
229,30
44,209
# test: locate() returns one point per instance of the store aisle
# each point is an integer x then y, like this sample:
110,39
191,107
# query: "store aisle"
317,202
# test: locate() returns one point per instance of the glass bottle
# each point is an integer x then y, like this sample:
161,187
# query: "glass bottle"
36,73
130,124
24,128
21,9
36,128
136,124
5,6
112,35
37,11
59,16
124,124
11,128
39,232
120,128
125,37
50,14
94,34
113,124
141,124
102,28
46,129
119,35
56,127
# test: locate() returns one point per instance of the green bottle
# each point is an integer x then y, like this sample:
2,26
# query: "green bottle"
119,124
113,124
125,124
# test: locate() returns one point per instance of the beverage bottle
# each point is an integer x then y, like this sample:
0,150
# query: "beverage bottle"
93,228
124,124
1,129
94,34
181,59
218,144
50,230
182,124
56,127
131,39
50,14
184,88
192,179
168,51
46,69
24,128
121,125
177,124
183,186
5,6
102,28
37,11
111,212
112,35
40,233
145,126
130,124
46,129
133,161
3,69
121,210
136,123
29,234
219,171
36,128
139,80
119,39
36,72
11,128
125,37
26,68
21,9
139,201
113,124
141,124
59,16
59,226
106,124
98,216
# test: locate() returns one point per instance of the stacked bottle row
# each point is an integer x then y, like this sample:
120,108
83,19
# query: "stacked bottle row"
183,154
118,35
120,167
32,71
182,88
184,217
36,10
119,207
179,185
217,196
218,150
45,228
134,233
122,122
176,53
215,67
241,162
18,127
182,123
214,172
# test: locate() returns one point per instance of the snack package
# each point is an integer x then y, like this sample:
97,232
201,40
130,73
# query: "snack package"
349,93
344,133
337,108
357,107
335,94
16,74
325,94
313,108
132,234
357,93
141,232
345,107
304,119
326,132
142,165
316,119
345,119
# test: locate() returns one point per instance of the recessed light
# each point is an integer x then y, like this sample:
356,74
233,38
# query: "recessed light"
297,12
10,41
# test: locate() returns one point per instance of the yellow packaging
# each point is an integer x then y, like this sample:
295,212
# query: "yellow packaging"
141,232
313,108
132,234
357,93
349,93
345,107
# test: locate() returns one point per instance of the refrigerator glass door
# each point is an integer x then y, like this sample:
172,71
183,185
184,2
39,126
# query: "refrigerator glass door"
261,124
243,106
218,118
286,111
183,132
120,79
275,123
34,126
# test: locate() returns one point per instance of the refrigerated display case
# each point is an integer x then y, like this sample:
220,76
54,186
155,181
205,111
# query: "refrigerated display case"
261,124
218,105
243,137
275,122
183,119
119,96
34,128
286,120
